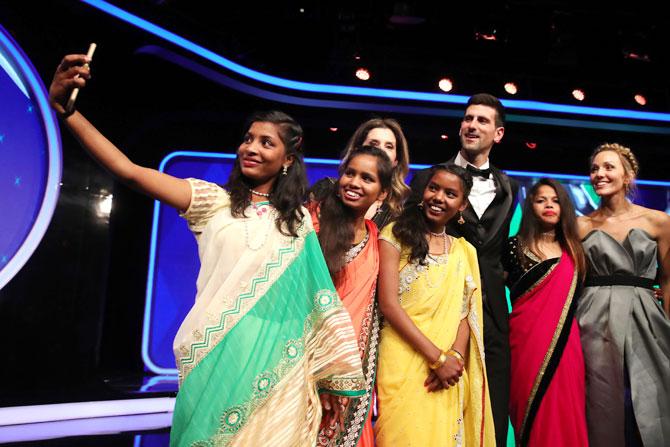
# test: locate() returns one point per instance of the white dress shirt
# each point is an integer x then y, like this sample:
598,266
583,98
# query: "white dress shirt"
483,190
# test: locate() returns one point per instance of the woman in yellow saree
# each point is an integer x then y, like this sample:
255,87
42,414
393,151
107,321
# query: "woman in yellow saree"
431,380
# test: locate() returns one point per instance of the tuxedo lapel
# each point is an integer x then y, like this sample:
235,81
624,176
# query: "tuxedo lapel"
500,205
469,214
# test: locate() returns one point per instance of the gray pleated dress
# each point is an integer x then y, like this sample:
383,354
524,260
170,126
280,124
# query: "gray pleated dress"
623,329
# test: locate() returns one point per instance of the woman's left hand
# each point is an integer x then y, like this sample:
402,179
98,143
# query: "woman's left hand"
333,409
433,383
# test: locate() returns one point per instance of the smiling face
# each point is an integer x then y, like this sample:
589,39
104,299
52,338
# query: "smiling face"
546,207
608,175
385,140
359,186
262,155
478,130
442,199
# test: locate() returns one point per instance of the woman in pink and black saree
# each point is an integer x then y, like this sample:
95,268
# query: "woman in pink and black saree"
545,264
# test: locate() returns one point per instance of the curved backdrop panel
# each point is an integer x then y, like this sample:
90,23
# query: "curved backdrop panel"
30,150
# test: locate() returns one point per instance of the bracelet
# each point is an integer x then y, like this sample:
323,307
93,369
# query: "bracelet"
66,113
454,353
439,362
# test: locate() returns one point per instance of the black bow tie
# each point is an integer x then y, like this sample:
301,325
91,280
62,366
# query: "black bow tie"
476,172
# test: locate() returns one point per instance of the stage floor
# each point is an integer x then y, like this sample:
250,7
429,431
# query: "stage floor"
118,412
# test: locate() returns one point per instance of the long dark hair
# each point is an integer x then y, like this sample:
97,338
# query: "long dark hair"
337,220
566,230
288,191
411,227
399,190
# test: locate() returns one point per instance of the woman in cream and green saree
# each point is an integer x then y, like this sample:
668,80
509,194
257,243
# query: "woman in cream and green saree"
267,330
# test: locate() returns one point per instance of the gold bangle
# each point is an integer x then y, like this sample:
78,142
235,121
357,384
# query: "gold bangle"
439,362
454,353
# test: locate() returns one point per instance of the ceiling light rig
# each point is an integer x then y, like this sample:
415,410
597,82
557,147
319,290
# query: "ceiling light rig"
636,56
489,35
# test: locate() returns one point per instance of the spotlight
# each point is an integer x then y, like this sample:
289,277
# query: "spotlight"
333,129
444,136
104,206
531,145
640,99
510,87
578,94
445,84
363,74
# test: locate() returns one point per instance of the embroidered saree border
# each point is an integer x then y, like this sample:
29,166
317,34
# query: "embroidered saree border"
285,345
358,408
357,418
477,333
264,278
529,287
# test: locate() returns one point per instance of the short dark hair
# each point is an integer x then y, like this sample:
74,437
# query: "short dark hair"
486,99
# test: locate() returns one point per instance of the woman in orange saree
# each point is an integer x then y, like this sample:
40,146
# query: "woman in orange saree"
351,249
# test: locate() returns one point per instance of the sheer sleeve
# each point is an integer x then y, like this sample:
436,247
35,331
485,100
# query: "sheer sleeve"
207,199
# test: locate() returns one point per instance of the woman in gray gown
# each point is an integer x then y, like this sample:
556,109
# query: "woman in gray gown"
625,332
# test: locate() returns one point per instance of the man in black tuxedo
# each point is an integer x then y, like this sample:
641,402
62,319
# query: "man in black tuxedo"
485,225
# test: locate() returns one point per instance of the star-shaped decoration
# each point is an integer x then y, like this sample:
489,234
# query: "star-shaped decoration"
2,138
4,259
17,181
31,108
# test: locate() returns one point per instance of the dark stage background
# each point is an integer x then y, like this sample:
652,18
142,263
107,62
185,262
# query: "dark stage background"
71,319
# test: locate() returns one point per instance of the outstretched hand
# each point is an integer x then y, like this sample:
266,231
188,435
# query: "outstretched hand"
73,72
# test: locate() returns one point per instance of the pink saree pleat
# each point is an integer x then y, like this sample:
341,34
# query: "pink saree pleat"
547,400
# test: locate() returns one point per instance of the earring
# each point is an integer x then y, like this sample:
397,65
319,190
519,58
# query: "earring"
285,170
420,205
460,220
